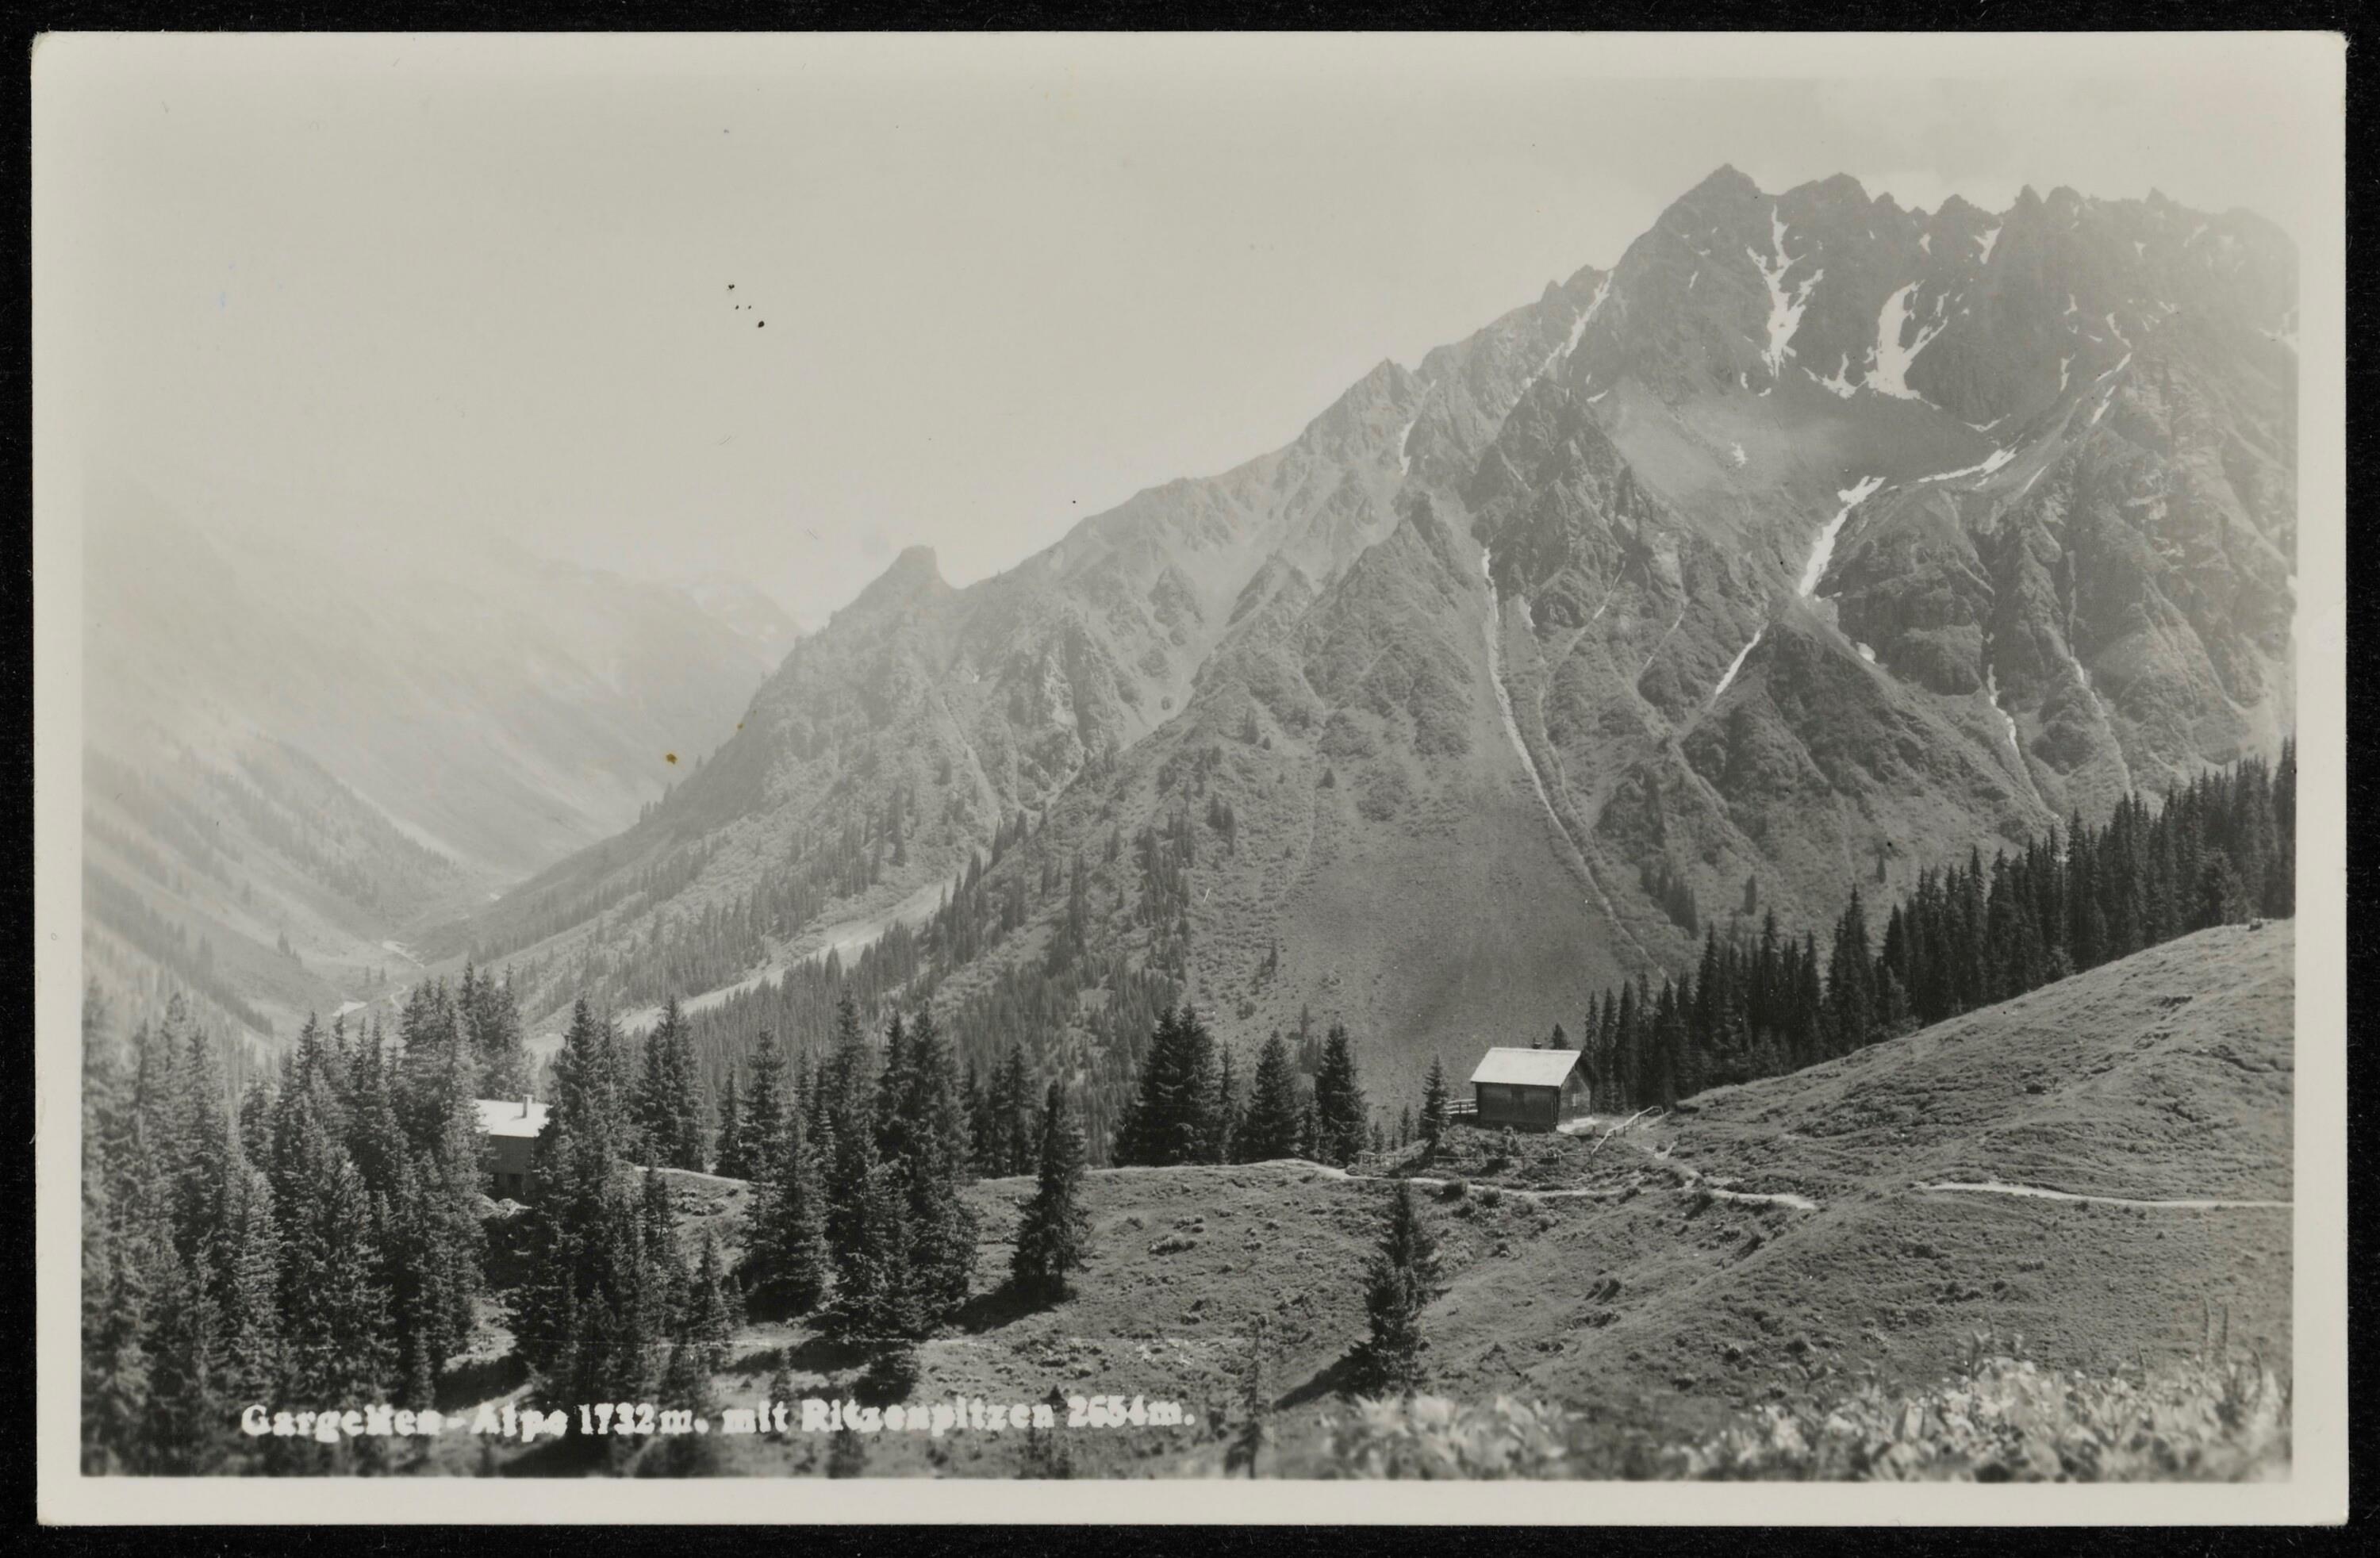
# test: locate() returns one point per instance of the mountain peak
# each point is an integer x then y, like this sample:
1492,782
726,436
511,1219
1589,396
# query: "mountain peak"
1840,185
1725,192
915,571
1386,386
1725,179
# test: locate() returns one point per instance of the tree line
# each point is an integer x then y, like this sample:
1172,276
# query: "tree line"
2220,849
857,1165
316,1240
322,1237
1189,1106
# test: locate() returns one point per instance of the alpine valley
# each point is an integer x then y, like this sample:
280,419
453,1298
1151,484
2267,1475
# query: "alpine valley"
1817,542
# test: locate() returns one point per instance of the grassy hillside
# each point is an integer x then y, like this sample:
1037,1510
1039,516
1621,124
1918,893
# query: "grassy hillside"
1784,1242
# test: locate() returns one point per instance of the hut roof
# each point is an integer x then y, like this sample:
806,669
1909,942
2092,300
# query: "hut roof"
1527,1068
510,1116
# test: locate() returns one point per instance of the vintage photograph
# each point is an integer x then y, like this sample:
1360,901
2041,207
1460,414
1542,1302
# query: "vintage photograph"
1295,760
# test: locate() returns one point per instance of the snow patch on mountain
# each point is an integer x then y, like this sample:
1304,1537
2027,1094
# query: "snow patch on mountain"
2100,705
1504,699
1992,462
1577,332
1785,309
1822,551
1841,382
1734,666
1992,691
1594,307
1891,374
1990,241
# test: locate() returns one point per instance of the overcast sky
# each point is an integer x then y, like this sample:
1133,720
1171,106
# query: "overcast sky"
773,308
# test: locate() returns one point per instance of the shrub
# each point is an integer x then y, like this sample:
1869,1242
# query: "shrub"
891,1375
2003,1419
1431,1438
2011,1420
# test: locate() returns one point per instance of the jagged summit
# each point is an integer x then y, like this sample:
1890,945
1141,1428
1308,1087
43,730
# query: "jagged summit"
1814,530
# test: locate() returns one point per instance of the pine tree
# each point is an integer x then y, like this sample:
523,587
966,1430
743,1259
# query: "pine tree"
727,1160
586,1310
1850,998
1225,1114
1434,1103
435,1251
1338,1100
1010,1146
926,1137
877,1296
764,1111
713,1305
685,1386
1395,1290
1268,1128
2218,897
1053,1234
785,1261
847,1092
1171,1120
977,1101
491,1034
114,1382
334,1305
891,1083
668,1107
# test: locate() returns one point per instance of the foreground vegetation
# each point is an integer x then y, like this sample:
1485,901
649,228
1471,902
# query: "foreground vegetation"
2004,1418
323,1234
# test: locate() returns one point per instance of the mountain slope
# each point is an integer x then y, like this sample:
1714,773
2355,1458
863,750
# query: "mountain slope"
1778,1240
1817,540
336,745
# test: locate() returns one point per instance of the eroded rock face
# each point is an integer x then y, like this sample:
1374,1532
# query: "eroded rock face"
1817,537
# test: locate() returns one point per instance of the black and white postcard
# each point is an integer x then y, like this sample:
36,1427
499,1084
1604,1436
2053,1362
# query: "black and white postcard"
955,778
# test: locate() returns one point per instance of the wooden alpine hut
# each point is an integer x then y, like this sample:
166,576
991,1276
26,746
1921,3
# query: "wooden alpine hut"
1528,1089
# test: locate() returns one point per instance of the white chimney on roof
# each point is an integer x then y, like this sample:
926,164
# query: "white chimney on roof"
525,1108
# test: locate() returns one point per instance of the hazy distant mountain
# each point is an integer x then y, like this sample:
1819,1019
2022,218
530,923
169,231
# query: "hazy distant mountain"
1818,541
338,745
749,611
